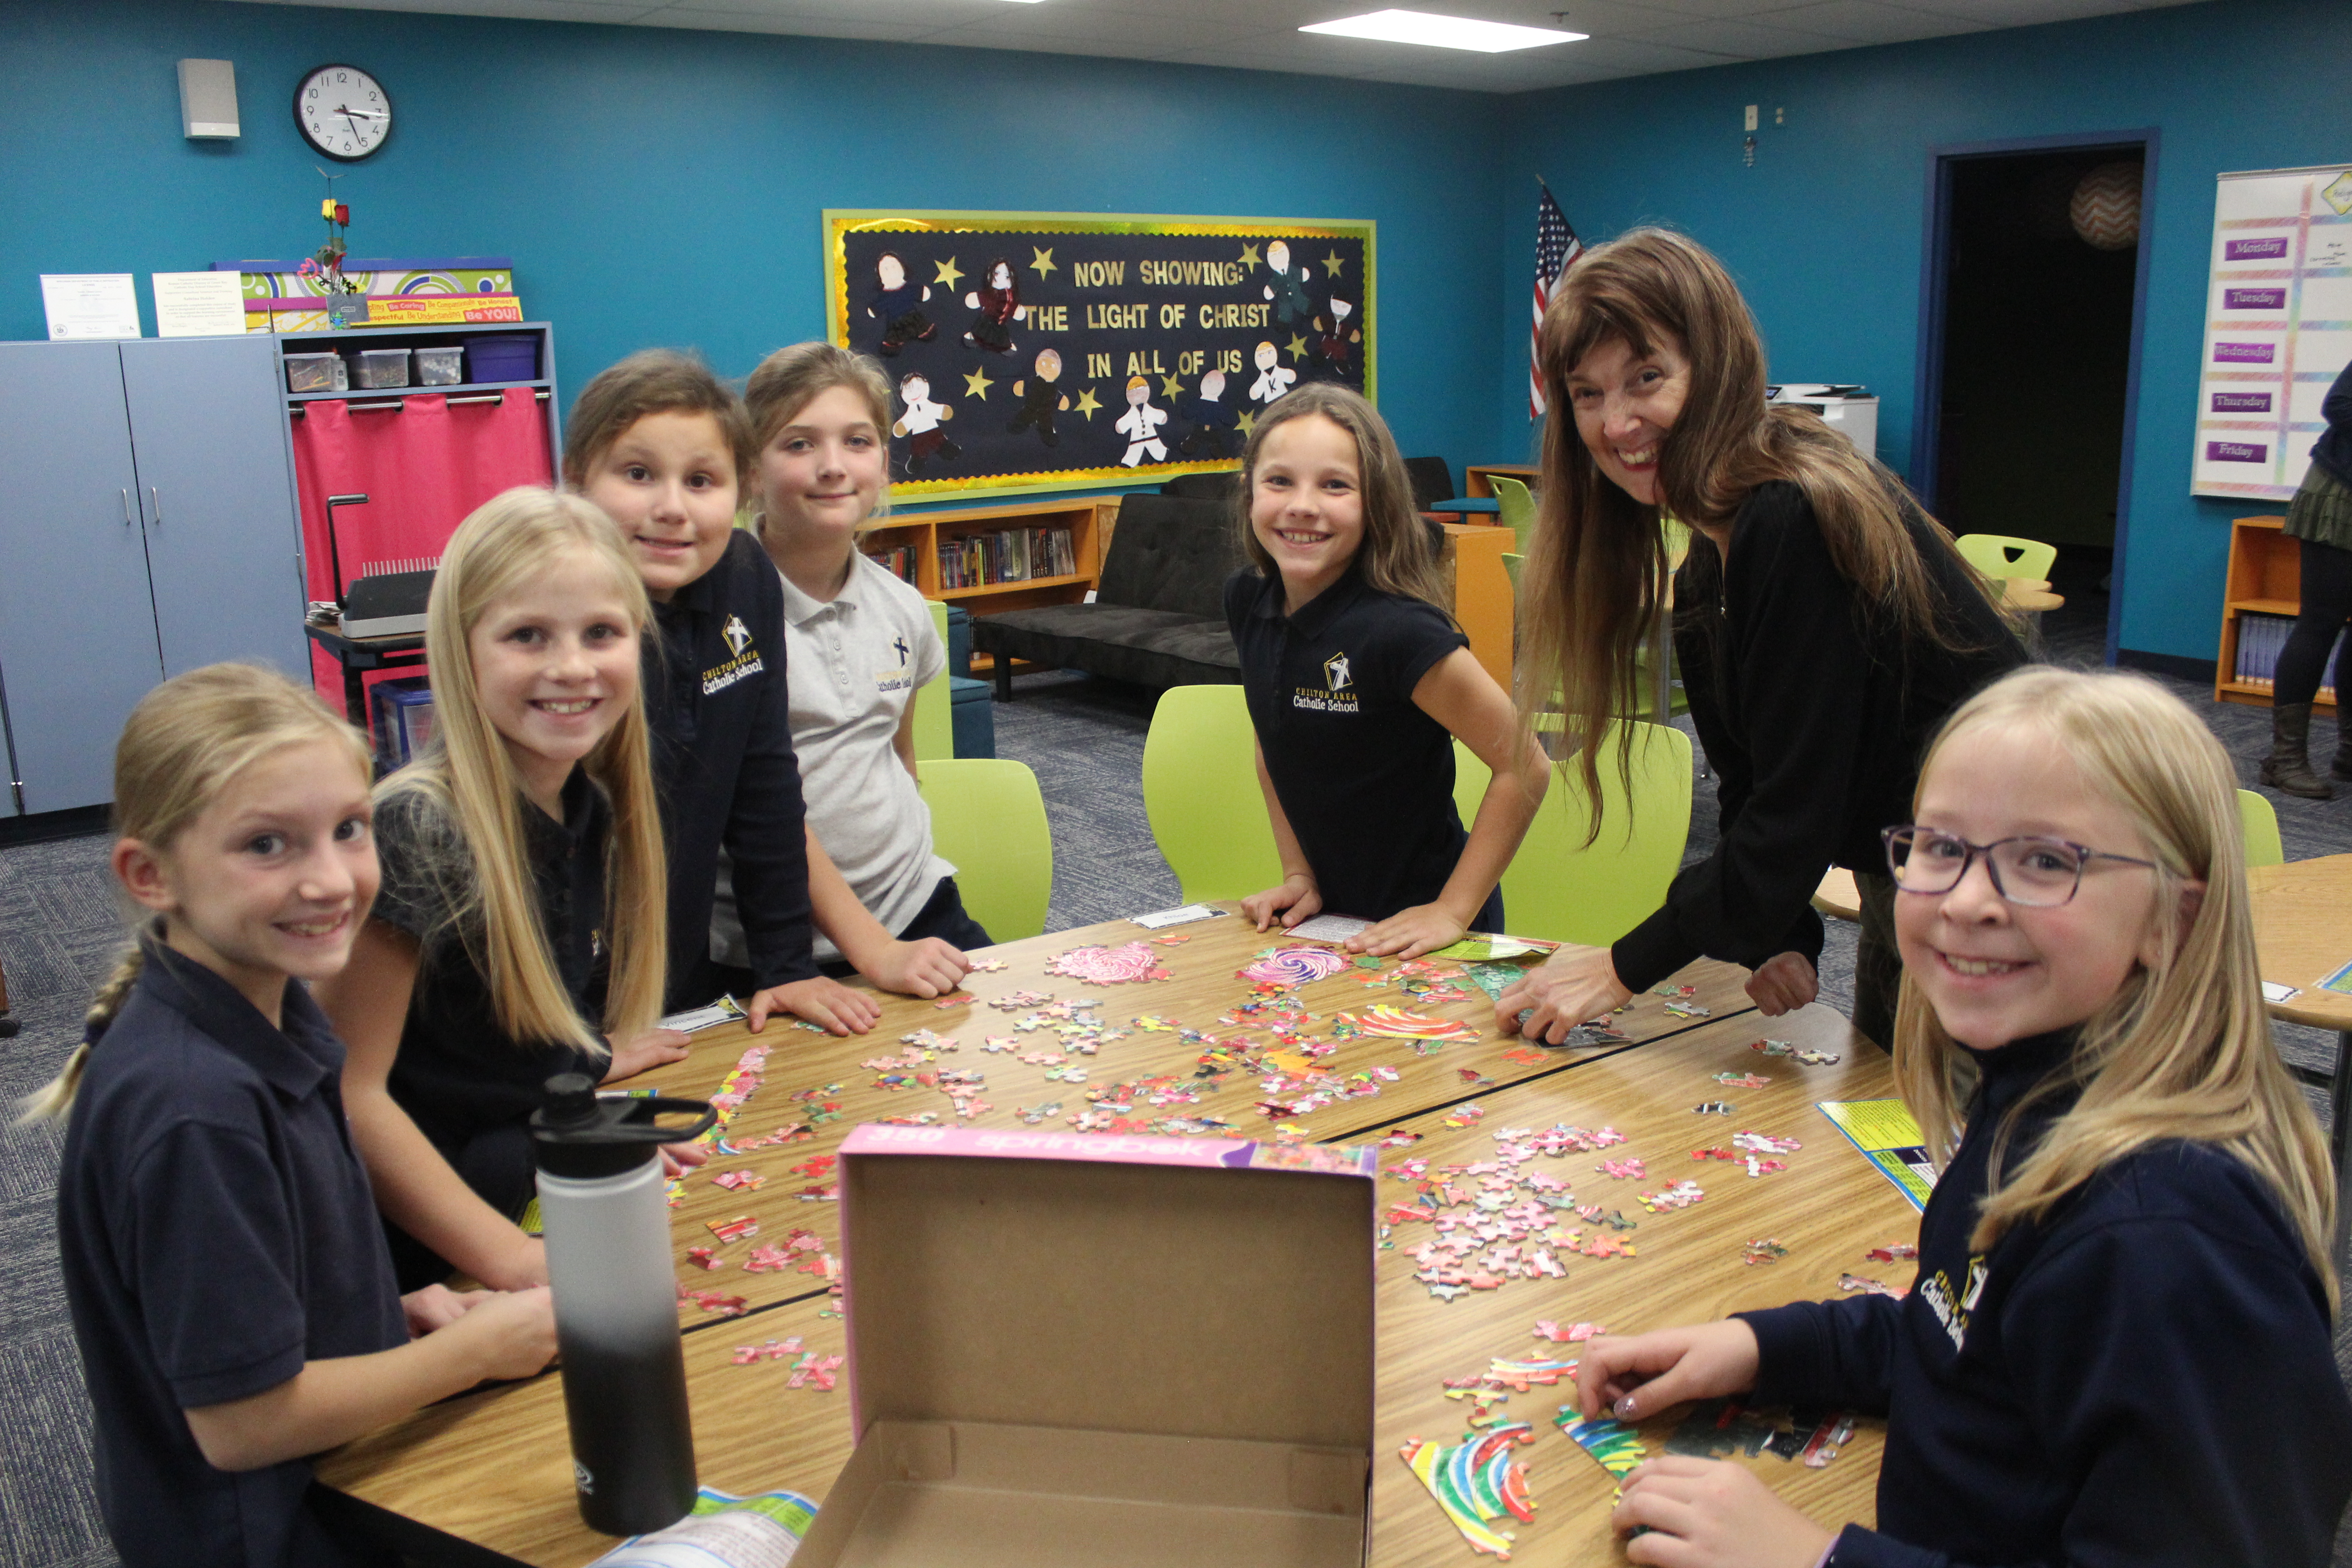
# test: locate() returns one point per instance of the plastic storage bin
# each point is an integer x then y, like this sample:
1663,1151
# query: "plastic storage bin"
402,708
314,373
505,357
381,368
440,367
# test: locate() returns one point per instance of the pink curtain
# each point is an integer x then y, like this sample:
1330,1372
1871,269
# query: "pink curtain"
423,469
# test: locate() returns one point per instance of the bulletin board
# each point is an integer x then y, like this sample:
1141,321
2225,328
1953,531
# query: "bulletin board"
1043,351
2278,327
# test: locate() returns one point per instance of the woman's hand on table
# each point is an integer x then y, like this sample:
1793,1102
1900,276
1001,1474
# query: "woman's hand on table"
1634,1376
1572,986
645,1050
931,966
1782,983
823,1001
1296,900
1409,933
1713,1513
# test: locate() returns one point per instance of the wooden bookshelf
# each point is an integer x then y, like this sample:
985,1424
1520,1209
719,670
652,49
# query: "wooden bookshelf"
2265,578
1090,520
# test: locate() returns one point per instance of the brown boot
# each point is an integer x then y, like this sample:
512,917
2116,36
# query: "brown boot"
2288,767
2342,767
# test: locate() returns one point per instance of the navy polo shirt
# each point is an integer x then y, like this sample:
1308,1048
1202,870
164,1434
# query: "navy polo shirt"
216,1231
1365,777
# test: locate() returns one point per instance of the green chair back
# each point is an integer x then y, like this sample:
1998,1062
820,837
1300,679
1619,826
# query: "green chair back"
1516,505
935,709
988,818
1997,556
1202,795
1558,887
1511,570
2259,822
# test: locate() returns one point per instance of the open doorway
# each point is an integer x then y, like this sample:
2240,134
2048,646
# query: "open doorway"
2030,356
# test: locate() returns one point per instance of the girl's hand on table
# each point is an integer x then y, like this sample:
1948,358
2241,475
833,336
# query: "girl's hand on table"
932,966
510,1335
1636,1376
677,1159
645,1050
1782,983
823,1001
1571,987
1409,933
1296,900
438,1306
1712,1513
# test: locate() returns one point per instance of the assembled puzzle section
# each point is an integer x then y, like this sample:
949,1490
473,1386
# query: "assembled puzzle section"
1060,1351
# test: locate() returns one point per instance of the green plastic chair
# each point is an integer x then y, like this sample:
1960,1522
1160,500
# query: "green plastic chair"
1558,887
1511,570
988,818
1202,795
935,709
1516,505
1997,556
2259,822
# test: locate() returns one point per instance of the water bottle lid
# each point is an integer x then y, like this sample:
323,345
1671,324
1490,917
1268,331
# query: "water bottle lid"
580,1133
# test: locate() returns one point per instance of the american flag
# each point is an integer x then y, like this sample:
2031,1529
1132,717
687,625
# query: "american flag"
1556,247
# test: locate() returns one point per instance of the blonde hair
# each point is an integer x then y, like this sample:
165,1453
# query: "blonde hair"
1395,556
792,378
652,381
182,746
2183,1049
471,834
1596,573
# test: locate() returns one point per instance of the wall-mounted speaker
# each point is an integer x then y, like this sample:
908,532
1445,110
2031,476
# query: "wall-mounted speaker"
208,99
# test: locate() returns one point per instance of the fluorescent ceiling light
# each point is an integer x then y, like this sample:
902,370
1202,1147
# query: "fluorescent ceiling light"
1443,32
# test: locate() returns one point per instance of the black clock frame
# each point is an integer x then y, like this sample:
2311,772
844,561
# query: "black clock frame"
303,130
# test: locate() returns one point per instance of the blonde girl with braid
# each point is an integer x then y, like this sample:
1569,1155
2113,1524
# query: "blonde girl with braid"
230,1290
522,929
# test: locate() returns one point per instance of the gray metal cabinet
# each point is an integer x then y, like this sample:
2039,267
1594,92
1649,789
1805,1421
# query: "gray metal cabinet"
98,599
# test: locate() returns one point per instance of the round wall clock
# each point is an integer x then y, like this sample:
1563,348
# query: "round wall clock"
343,111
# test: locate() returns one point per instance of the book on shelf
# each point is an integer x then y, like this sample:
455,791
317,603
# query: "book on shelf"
898,560
2261,638
1006,555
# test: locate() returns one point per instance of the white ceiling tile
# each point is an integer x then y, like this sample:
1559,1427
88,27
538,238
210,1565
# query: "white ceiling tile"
1741,40
1869,22
2020,13
706,20
889,17
1123,28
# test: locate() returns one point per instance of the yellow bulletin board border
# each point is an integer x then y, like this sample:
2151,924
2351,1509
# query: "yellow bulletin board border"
841,222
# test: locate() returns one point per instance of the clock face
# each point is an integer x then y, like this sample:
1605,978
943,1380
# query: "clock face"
343,111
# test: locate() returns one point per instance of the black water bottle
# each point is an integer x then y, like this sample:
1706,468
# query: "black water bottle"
608,1258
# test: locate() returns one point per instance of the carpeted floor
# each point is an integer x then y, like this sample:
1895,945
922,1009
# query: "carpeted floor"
59,929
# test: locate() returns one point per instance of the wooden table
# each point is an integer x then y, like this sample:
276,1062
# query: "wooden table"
1475,480
492,1469
2302,934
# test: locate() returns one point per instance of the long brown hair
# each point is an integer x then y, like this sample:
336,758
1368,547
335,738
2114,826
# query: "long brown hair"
471,837
1394,557
2183,1049
1597,574
182,745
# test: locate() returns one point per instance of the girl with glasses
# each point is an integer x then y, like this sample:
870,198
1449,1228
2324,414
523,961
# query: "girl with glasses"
2118,1346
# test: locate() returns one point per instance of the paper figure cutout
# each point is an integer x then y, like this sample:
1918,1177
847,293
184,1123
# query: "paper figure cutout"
999,304
899,306
1041,399
1288,289
1141,424
1340,335
921,424
1211,418
1273,378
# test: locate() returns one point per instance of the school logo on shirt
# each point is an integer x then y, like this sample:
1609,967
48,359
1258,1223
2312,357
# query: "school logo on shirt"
1337,694
1337,675
901,678
745,663
1952,1313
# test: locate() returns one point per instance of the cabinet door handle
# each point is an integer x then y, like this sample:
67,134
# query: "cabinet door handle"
155,500
128,520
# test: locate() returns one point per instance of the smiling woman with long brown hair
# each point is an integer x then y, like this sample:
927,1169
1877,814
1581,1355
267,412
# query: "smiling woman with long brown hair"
1825,624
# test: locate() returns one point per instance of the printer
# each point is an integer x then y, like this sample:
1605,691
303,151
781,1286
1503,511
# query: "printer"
1844,407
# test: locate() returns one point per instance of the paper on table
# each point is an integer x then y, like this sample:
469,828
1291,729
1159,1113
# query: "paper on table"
1328,927
2340,982
199,304
2274,992
1486,949
724,1531
90,304
1889,1139
1183,914
723,1011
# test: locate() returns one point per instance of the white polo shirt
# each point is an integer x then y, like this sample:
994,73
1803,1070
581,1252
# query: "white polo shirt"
853,666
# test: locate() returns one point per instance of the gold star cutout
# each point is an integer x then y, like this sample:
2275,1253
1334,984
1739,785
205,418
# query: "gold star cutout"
1248,420
1044,262
1088,403
949,272
977,383
1249,256
1332,264
1298,347
1170,386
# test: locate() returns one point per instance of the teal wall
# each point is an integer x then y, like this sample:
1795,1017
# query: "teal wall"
1825,232
664,186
